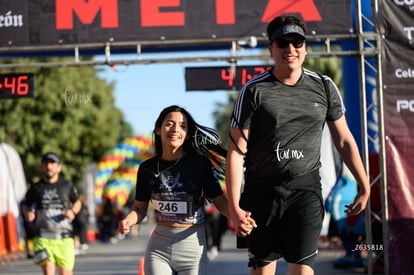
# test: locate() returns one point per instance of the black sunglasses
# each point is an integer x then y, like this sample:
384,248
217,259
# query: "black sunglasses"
284,43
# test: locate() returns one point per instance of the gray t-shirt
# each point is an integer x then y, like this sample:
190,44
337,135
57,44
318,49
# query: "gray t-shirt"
51,201
285,123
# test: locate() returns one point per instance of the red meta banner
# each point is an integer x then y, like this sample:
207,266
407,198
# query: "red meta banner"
63,22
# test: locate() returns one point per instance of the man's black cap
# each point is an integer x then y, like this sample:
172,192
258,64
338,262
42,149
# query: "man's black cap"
287,29
51,157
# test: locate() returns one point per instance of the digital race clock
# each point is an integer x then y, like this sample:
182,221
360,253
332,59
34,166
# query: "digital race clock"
220,78
16,85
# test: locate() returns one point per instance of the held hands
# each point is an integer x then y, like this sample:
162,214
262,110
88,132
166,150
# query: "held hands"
243,222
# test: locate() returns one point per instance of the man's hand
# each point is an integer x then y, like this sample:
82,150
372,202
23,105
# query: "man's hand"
31,215
243,222
358,205
70,214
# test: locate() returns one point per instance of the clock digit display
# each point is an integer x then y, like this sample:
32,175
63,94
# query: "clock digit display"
244,76
16,85
22,85
10,83
228,75
220,78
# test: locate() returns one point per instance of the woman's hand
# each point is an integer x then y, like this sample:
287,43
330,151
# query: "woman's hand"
124,226
243,222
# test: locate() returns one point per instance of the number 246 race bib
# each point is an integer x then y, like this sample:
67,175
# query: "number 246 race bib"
171,207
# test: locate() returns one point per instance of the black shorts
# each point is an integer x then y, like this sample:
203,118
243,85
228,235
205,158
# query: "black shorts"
294,236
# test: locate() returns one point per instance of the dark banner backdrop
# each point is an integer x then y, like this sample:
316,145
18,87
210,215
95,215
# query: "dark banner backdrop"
37,23
397,25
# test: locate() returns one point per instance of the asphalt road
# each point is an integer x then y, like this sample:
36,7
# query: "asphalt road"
122,258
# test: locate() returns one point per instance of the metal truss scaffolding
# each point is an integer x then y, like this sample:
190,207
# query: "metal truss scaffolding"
368,45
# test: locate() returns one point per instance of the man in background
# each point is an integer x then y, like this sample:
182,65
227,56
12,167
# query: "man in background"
52,204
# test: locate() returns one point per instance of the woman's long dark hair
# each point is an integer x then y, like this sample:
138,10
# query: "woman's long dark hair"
203,140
